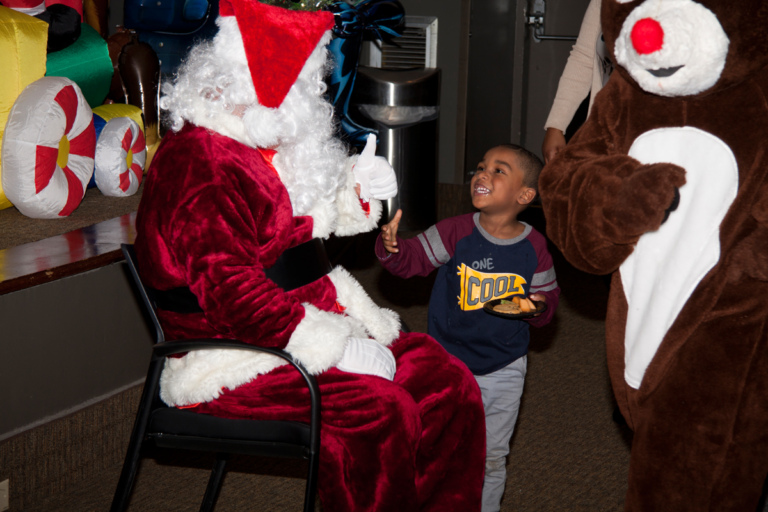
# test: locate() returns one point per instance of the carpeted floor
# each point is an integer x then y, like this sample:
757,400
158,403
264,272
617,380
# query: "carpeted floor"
567,453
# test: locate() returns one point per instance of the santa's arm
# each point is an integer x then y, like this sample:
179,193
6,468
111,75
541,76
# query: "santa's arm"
598,200
220,256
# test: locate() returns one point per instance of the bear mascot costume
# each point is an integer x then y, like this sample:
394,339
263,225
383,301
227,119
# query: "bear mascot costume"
247,182
666,187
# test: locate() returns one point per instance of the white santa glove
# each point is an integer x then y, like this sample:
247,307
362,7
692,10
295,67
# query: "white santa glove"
368,357
373,173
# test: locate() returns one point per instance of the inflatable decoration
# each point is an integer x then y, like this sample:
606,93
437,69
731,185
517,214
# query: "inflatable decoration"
48,149
22,59
105,113
135,81
114,158
87,63
121,153
63,19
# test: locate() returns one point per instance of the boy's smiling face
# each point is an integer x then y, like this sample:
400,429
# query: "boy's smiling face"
497,185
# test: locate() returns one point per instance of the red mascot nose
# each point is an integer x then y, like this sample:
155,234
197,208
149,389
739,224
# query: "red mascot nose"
647,36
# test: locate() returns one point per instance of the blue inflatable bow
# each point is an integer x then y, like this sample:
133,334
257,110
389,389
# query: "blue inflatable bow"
366,19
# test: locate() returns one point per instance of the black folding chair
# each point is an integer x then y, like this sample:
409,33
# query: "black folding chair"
169,427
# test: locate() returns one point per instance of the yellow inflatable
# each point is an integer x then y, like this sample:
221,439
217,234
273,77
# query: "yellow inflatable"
23,40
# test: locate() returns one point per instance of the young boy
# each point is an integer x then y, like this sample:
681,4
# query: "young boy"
481,256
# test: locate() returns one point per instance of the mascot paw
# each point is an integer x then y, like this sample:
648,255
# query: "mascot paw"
673,206
644,201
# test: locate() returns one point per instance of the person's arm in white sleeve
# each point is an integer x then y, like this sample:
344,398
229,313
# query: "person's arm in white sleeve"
575,82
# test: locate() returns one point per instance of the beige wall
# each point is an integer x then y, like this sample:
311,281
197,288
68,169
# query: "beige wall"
453,29
67,344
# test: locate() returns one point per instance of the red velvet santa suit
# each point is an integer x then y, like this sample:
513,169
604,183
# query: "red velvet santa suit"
214,214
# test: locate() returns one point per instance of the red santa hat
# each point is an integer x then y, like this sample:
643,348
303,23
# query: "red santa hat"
277,43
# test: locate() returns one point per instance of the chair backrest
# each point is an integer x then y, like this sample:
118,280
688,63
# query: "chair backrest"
149,305
169,427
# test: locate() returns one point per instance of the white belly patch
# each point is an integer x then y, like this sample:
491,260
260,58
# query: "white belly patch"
667,264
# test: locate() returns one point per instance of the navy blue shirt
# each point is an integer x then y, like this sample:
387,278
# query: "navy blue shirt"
475,267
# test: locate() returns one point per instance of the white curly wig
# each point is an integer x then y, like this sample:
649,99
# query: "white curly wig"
213,89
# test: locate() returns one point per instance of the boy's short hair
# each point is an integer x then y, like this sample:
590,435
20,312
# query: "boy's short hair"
530,164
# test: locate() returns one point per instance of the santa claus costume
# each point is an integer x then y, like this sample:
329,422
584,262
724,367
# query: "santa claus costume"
218,213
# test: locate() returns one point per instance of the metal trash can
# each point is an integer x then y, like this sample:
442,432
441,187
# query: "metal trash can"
403,106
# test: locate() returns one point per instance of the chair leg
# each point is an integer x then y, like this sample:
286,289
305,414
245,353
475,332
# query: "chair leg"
127,477
214,482
311,489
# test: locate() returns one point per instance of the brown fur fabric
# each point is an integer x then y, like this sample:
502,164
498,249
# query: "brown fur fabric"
700,412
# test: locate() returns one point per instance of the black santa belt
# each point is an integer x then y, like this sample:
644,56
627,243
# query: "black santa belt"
296,267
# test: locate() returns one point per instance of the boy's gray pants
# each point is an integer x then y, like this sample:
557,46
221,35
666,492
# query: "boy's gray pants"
501,392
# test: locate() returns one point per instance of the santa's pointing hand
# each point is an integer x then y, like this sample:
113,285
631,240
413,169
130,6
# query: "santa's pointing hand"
374,174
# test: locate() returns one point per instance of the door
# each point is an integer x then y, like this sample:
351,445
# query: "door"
517,52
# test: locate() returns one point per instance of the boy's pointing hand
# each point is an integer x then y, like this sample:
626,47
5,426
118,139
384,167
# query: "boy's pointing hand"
389,232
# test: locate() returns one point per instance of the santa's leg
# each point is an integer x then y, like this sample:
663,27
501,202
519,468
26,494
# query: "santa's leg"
701,436
451,457
385,446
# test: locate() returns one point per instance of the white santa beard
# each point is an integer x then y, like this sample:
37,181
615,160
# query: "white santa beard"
215,81
309,160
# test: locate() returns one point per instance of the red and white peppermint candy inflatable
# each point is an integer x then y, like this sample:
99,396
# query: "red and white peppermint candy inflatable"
121,153
48,149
